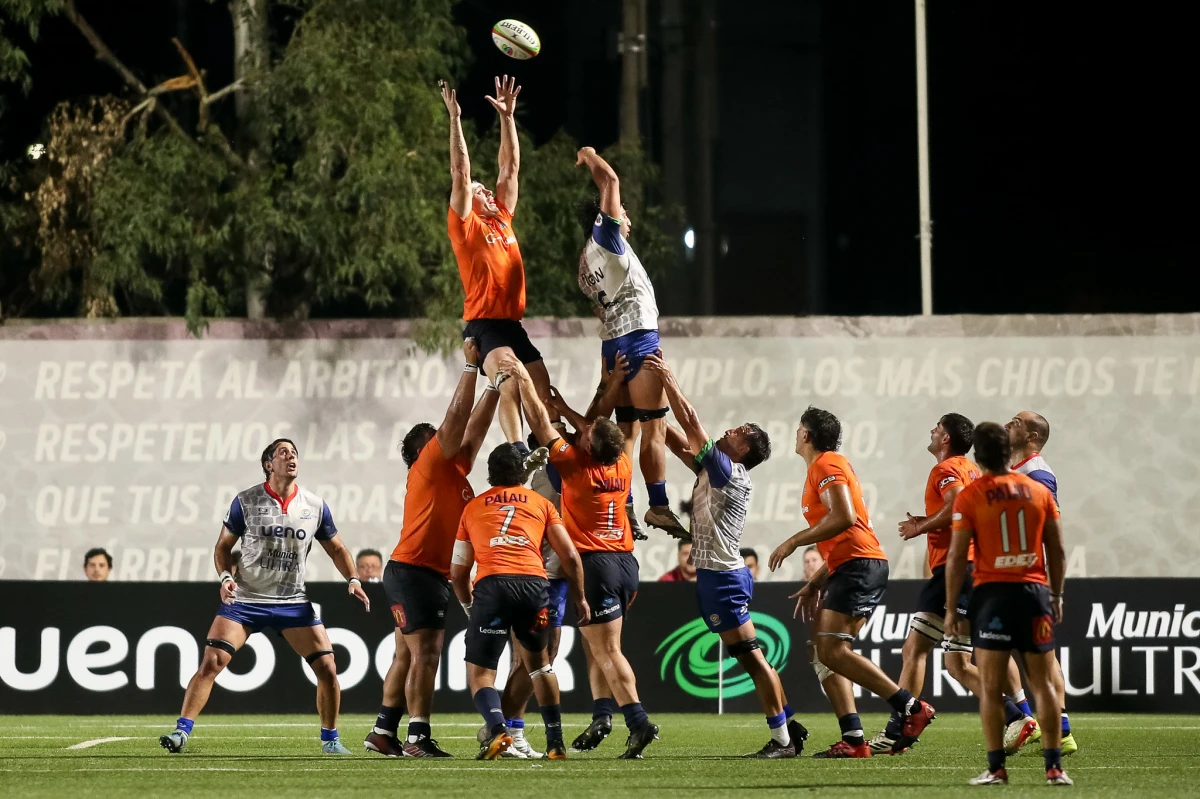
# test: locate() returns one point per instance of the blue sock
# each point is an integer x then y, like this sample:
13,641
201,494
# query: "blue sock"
185,725
522,447
635,716
1052,758
487,702
787,711
604,707
1011,711
328,735
1023,705
658,493
552,718
554,477
1066,725
852,732
777,721
995,759
629,499
899,701
515,724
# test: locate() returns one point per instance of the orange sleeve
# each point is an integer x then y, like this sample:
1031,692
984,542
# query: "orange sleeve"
944,478
459,227
964,513
564,456
826,473
552,516
462,529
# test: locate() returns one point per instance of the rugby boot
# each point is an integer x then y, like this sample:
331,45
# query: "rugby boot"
638,533
922,716
495,745
424,746
534,461
774,750
798,733
1020,733
841,750
334,747
638,740
989,777
591,738
555,751
662,517
521,749
174,742
1056,776
388,745
1069,745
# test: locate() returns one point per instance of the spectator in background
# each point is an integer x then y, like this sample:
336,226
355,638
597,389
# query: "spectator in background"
812,562
97,565
370,565
685,572
751,559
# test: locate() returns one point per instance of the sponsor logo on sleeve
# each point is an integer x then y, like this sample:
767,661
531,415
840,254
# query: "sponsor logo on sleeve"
945,481
826,481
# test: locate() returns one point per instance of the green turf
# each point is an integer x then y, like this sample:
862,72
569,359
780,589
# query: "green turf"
266,756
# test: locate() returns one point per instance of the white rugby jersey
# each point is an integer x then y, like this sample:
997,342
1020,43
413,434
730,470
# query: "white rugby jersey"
720,502
276,535
1035,468
613,278
540,483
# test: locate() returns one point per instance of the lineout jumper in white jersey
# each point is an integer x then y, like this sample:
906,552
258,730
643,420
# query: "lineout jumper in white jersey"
613,278
720,502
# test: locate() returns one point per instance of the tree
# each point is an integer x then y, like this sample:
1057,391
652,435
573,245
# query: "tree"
326,191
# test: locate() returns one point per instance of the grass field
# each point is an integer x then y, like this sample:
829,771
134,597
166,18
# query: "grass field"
267,756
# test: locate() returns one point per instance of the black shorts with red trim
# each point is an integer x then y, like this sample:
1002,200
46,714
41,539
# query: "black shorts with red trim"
418,596
1007,616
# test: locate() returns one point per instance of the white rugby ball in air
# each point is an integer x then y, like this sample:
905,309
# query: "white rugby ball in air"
516,39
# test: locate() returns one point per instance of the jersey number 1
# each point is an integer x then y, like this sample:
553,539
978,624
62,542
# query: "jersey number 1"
1004,543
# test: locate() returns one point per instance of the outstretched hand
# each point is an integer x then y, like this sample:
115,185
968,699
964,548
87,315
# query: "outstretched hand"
620,371
583,155
655,363
511,364
471,351
356,590
450,98
910,528
505,101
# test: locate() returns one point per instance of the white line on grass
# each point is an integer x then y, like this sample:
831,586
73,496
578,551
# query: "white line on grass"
96,742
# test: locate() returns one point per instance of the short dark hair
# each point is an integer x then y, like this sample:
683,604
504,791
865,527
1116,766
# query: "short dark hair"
269,453
811,548
1039,427
608,442
586,211
960,429
506,466
415,441
992,450
748,552
759,444
824,429
368,553
93,552
682,542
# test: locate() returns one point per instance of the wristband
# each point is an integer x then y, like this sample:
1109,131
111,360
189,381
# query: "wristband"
354,580
466,606
471,367
1055,596
225,577
490,387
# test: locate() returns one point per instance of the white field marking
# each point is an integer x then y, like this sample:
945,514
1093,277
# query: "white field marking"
517,764
96,742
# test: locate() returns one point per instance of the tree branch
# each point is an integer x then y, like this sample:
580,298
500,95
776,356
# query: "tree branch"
237,86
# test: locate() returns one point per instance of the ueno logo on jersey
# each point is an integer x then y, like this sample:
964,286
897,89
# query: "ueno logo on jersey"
1025,560
509,541
279,531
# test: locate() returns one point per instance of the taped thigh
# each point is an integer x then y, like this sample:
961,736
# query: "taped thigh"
930,625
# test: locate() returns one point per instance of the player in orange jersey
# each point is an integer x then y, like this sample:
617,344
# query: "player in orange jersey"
1020,568
596,472
854,579
502,530
416,578
489,259
949,442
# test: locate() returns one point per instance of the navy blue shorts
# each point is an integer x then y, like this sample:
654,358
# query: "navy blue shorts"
724,597
856,587
256,616
610,584
558,601
634,346
1007,616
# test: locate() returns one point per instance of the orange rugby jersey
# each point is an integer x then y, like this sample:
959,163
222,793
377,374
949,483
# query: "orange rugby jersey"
433,503
593,499
858,541
958,471
490,265
1006,515
505,526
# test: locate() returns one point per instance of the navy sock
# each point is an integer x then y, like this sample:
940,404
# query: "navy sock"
895,725
388,719
417,729
1011,711
328,735
522,447
629,498
787,711
852,732
185,725
1024,707
658,493
899,701
995,759
604,707
1066,728
554,477
635,716
487,702
552,718
1052,758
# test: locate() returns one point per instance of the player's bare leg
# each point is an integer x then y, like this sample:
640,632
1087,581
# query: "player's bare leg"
960,667
742,643
835,631
545,689
604,706
1020,727
425,654
509,410
312,644
993,674
604,642
225,637
647,395
481,682
383,737
1069,746
514,700
917,647
1044,671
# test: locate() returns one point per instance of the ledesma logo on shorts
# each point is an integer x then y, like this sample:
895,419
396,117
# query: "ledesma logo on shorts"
689,656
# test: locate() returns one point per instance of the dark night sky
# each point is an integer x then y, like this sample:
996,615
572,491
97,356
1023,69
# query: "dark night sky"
1057,133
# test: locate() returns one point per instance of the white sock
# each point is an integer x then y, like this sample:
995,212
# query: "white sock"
780,735
908,709
517,732
1018,696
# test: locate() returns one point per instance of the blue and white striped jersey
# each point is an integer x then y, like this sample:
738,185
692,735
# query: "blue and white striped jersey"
1035,468
276,535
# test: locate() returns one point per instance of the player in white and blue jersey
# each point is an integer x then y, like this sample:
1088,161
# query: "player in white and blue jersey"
276,523
613,278
1028,433
724,586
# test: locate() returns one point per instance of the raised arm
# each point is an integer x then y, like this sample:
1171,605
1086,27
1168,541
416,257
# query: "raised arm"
914,526
685,414
677,442
460,162
480,421
505,103
535,412
605,179
604,402
450,431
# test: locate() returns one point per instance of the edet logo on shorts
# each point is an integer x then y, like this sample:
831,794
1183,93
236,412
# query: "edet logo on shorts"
690,655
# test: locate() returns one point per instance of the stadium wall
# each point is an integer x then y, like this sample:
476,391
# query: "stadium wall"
134,436
71,648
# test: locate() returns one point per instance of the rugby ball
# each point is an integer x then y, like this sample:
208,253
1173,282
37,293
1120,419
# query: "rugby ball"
516,39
